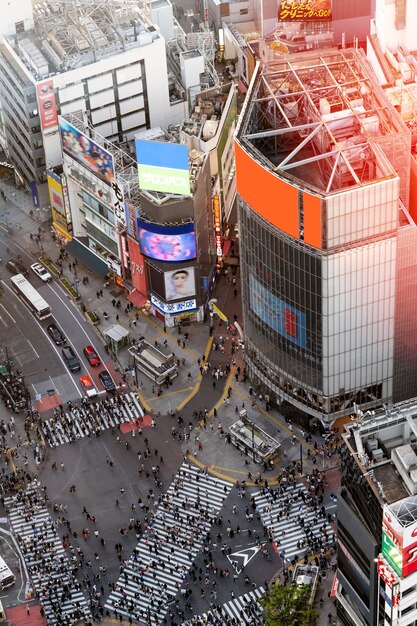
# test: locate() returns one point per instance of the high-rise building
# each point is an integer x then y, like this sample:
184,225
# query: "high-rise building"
101,59
377,520
327,242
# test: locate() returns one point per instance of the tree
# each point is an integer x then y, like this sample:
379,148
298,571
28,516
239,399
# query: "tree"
288,606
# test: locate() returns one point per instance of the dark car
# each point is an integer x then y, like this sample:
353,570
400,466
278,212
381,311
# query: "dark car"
17,267
71,359
107,381
56,334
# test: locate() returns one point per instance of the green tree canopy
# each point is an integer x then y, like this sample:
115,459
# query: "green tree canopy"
288,606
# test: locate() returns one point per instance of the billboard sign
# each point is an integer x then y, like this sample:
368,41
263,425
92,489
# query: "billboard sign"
174,307
56,199
119,205
180,283
167,243
399,543
86,152
386,574
217,225
163,167
285,319
305,10
45,94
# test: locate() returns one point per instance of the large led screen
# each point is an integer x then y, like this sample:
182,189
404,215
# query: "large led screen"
305,10
167,243
283,318
87,152
163,167
179,283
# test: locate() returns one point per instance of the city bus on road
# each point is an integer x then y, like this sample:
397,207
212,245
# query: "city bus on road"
30,297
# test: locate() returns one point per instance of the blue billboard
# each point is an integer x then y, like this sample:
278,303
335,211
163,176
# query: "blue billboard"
167,243
280,316
163,167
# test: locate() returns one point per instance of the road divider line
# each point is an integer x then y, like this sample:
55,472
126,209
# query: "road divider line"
199,378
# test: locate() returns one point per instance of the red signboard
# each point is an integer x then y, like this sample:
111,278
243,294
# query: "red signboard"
47,104
399,543
217,225
386,574
305,10
137,267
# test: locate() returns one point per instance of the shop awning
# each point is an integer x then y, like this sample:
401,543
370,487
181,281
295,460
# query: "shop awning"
137,298
87,256
242,87
226,246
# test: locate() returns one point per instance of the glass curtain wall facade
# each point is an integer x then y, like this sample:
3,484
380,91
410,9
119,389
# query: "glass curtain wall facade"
322,176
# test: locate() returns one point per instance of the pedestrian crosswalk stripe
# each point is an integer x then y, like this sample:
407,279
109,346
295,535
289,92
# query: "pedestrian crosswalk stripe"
281,514
81,421
45,557
165,553
244,610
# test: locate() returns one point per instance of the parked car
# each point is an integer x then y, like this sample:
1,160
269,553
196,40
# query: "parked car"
107,381
41,272
16,267
88,386
71,359
56,334
92,356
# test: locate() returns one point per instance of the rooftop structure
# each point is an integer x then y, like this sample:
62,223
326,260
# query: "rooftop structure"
70,34
321,118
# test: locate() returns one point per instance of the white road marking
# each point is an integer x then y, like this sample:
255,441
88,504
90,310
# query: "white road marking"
33,348
90,342
7,313
6,325
59,356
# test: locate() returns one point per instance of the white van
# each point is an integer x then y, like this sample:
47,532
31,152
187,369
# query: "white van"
7,578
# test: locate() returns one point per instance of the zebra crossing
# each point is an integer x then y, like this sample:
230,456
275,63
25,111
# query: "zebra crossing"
296,527
153,576
242,611
86,420
47,563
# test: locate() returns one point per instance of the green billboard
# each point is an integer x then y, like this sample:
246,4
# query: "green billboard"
392,554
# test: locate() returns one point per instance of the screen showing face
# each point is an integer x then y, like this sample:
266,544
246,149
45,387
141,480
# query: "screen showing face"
179,284
167,243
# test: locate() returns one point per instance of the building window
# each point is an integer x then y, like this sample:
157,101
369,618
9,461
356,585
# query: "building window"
20,27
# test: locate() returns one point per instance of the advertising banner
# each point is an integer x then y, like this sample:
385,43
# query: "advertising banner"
174,307
56,199
45,94
219,313
280,316
131,214
167,243
137,267
399,543
217,225
119,205
163,167
86,152
179,283
305,10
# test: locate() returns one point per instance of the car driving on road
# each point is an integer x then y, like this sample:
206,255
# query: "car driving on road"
92,356
107,381
41,272
88,386
71,359
16,267
56,334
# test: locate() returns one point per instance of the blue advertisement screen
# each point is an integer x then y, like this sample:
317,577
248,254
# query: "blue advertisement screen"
280,316
167,243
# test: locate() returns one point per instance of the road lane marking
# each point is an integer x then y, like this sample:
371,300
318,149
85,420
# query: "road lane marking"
60,358
90,341
6,325
33,348
7,313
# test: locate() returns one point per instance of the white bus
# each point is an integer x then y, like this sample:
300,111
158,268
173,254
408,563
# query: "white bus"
7,578
30,297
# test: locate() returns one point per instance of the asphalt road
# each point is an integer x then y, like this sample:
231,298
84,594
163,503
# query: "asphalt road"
29,345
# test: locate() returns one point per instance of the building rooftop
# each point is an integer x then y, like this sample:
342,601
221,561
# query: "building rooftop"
71,34
384,447
321,117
